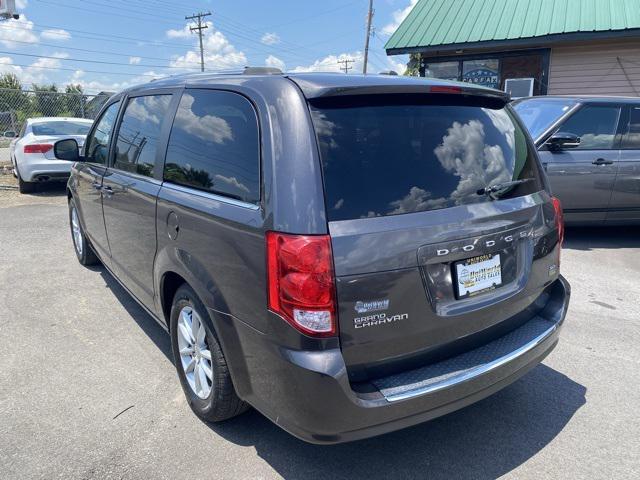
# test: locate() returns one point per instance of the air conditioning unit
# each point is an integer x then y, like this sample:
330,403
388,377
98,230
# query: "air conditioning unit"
519,87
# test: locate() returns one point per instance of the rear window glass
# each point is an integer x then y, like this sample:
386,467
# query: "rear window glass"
61,128
390,157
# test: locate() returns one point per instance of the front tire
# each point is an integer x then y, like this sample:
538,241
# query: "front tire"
201,365
84,251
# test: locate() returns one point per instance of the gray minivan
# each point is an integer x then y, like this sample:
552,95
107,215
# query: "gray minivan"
350,255
590,149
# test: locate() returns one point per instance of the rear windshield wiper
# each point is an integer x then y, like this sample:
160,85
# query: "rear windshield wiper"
499,189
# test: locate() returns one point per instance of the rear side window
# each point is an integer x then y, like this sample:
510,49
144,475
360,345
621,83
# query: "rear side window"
139,133
215,145
596,127
632,139
394,155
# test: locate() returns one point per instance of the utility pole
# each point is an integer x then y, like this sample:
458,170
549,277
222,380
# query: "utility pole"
199,28
346,64
366,42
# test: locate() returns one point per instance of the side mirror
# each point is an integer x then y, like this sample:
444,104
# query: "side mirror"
9,134
562,140
67,149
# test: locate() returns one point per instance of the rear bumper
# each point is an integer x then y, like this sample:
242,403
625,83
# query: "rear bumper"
36,168
308,392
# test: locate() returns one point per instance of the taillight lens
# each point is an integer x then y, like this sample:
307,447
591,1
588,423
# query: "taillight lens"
301,282
557,206
38,148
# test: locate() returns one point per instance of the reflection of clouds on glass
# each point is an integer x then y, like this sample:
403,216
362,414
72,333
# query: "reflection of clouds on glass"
206,127
325,129
232,182
464,153
596,141
503,124
148,109
416,200
339,204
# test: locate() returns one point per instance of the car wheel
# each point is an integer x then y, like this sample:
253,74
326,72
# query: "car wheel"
84,251
201,365
25,187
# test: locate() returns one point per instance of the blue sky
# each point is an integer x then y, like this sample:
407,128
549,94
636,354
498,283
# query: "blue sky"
110,44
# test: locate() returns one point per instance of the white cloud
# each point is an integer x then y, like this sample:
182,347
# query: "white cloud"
219,53
55,34
270,39
134,60
331,63
275,62
13,31
398,17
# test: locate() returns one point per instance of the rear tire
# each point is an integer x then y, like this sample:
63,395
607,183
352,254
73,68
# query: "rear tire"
25,187
200,363
82,247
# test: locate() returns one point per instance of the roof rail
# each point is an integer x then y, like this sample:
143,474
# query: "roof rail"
261,71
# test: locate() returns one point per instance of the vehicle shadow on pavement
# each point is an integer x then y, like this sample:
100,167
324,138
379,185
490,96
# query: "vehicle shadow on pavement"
483,441
588,238
145,321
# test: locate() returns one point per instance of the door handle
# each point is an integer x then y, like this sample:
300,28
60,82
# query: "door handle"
96,185
602,161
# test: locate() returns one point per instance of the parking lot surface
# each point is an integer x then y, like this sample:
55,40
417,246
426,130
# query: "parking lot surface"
88,390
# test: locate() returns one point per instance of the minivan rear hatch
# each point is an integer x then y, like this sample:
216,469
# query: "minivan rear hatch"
435,204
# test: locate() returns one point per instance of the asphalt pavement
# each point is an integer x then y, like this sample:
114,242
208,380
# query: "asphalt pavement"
88,390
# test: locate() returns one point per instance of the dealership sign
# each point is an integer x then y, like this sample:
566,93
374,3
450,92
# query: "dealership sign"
482,76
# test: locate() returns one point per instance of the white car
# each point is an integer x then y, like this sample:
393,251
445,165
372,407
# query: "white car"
31,152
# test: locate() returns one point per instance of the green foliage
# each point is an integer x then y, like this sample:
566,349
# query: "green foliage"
413,66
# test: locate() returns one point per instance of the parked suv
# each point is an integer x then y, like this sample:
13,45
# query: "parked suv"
590,148
349,255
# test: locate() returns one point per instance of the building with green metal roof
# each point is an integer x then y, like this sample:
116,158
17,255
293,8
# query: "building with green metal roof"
527,46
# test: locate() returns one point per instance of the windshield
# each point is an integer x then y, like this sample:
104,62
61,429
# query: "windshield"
401,157
540,114
61,128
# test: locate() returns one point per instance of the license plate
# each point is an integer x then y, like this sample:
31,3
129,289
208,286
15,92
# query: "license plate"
478,275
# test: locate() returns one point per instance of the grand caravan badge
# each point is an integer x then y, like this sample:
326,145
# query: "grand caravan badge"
372,306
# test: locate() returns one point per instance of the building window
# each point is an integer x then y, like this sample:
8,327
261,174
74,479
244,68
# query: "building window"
443,70
482,72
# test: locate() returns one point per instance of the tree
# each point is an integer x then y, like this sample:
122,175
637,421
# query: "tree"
413,66
13,102
48,102
75,100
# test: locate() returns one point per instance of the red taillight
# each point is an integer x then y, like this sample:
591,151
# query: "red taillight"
301,281
38,148
557,206
445,89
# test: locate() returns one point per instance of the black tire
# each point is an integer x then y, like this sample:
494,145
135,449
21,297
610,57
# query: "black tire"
84,251
222,403
25,187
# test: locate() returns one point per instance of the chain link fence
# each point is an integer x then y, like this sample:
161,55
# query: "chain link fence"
18,105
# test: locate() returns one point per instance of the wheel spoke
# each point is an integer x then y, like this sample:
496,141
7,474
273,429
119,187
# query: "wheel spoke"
206,354
200,336
186,351
191,366
195,326
186,333
207,370
196,377
204,385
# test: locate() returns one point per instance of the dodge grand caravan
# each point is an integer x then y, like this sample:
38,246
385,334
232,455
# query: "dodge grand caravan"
350,255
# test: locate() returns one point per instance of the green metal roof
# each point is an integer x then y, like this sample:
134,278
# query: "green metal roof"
436,23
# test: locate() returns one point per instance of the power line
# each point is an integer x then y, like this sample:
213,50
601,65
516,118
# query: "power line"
199,28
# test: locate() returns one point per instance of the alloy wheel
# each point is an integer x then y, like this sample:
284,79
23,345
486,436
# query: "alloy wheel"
195,355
